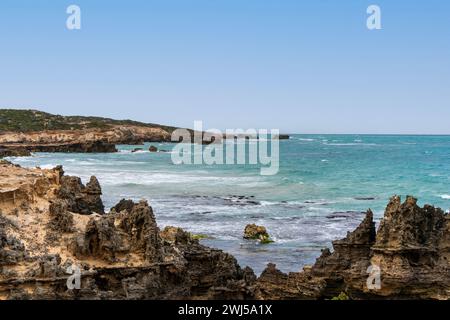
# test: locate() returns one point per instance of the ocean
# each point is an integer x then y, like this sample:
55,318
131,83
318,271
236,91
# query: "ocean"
324,185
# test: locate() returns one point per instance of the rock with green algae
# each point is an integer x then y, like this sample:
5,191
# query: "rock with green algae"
341,296
255,232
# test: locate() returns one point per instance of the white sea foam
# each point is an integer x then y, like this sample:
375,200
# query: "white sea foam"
152,178
48,166
350,144
445,196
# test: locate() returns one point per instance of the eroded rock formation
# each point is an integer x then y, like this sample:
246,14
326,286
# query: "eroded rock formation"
50,228
120,255
411,251
79,198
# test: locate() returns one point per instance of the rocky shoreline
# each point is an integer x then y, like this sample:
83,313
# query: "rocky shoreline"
24,150
26,131
86,141
50,222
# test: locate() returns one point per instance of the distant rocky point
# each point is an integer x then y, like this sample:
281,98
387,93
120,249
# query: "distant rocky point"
25,131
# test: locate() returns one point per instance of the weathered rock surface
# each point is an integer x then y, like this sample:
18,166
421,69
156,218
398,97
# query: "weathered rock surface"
121,255
124,255
254,232
117,134
411,250
79,198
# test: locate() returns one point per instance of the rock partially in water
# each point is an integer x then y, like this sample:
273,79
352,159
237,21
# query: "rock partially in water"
153,149
14,152
254,232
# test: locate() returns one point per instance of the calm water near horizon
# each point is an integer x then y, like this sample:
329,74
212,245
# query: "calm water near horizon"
324,185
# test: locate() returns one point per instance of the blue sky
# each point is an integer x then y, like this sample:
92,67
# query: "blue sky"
300,66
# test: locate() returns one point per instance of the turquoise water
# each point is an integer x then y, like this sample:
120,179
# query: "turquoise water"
324,185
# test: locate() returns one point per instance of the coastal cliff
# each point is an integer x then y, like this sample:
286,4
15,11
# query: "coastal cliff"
24,131
51,223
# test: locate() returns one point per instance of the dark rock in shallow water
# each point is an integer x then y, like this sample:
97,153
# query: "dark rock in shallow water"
14,152
75,147
153,149
254,232
241,200
344,214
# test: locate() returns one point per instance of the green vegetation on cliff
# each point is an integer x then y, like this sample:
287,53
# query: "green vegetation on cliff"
33,120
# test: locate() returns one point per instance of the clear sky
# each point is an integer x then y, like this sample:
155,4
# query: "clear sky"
300,66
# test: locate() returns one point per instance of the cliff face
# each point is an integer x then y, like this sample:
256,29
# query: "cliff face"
409,254
82,141
122,134
24,131
51,225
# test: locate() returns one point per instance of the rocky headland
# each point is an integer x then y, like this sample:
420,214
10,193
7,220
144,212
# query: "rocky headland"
51,224
26,131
